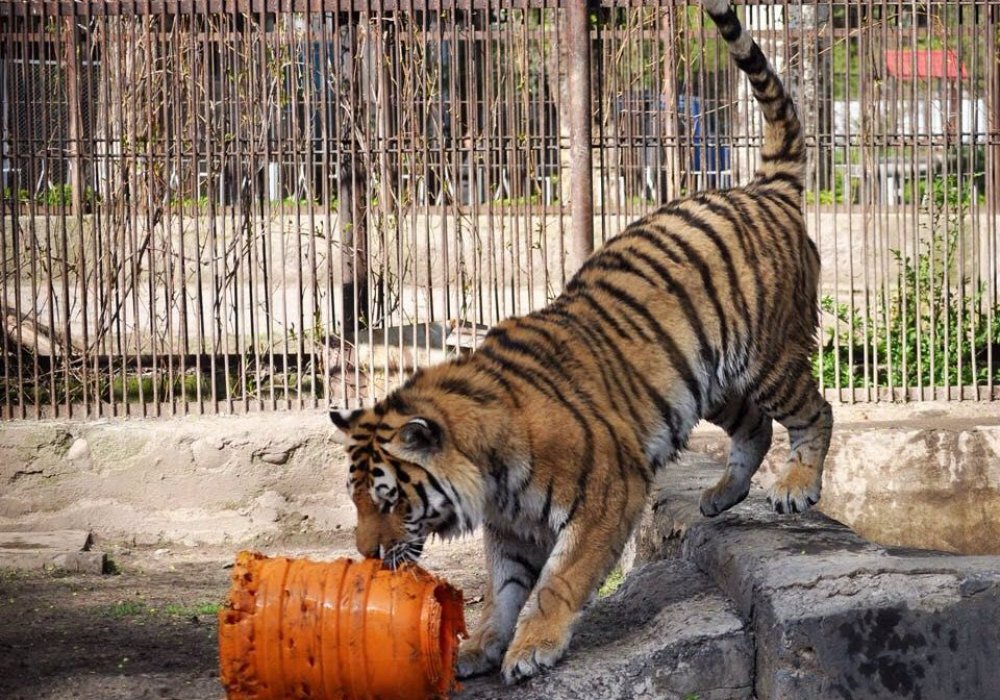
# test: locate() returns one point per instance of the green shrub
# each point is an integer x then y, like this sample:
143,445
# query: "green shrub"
929,328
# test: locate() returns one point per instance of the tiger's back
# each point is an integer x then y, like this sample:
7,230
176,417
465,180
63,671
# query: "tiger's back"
550,434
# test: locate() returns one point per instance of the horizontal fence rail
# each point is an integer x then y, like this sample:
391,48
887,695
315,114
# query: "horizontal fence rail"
235,205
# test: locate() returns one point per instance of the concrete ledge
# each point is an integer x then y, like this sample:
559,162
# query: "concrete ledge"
667,633
60,549
833,615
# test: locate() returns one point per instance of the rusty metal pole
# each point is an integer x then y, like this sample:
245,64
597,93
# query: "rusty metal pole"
993,71
71,71
576,32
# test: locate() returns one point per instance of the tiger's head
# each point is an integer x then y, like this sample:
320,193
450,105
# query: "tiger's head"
408,478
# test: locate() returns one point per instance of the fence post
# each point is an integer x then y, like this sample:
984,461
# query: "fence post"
576,31
993,108
71,71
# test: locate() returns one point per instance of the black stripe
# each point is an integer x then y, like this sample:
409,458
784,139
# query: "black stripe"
637,382
774,225
744,230
394,402
788,178
653,237
728,24
607,318
547,506
623,264
434,484
463,387
664,407
628,319
708,281
501,380
422,493
509,366
677,357
338,420
638,421
709,354
692,258
805,394
512,580
616,393
553,392
587,399
519,559
754,64
695,221
497,470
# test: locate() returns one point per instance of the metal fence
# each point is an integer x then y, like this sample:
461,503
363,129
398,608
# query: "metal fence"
231,205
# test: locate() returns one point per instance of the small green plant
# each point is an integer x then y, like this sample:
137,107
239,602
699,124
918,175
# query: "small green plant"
840,194
129,608
195,610
931,328
612,583
20,195
62,195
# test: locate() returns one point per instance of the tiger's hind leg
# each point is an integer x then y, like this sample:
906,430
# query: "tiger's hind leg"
514,566
750,432
793,399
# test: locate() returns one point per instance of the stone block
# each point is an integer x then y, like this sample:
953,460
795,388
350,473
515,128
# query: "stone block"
59,549
667,633
833,615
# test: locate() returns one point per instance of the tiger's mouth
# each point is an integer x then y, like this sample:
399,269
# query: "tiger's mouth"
399,553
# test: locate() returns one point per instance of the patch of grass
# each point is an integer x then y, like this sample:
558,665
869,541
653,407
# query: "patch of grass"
612,583
181,610
129,608
138,608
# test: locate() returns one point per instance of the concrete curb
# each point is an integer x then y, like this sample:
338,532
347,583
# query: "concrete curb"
667,633
831,614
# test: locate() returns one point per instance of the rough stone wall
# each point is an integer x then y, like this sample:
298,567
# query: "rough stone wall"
192,480
922,475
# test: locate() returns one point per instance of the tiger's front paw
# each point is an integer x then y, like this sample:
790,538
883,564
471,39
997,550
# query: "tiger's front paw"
796,490
724,495
530,657
475,661
481,653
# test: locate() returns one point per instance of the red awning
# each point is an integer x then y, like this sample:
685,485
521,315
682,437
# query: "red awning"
924,63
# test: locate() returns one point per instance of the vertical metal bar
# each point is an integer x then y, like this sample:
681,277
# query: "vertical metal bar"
12,351
172,107
201,156
577,33
992,166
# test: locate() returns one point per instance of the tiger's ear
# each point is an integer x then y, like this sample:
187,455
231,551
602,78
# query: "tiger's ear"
421,436
343,419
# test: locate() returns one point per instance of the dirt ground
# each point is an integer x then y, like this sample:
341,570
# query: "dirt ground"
149,630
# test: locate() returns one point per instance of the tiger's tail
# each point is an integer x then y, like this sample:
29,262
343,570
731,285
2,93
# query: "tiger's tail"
783,156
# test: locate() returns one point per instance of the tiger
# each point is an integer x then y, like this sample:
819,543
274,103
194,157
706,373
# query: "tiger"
550,434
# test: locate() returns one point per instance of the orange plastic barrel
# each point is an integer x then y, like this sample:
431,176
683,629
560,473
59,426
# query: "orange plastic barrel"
295,628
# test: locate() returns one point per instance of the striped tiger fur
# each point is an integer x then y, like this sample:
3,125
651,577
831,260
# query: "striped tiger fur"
549,436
